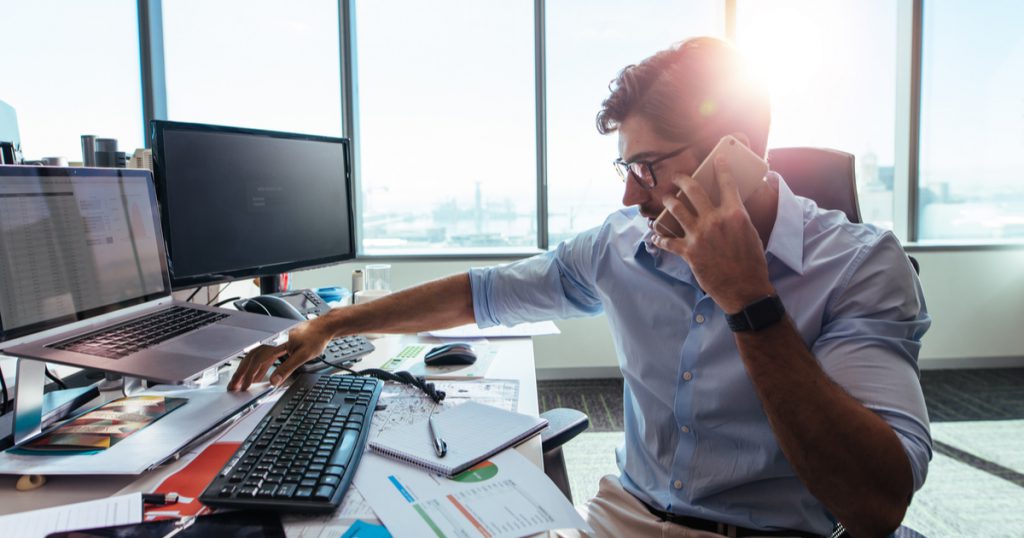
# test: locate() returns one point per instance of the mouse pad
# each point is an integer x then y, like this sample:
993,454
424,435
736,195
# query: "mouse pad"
484,356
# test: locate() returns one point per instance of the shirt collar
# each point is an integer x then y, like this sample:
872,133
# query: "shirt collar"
786,243
667,263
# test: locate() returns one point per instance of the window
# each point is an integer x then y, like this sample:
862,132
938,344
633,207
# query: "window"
588,43
446,126
253,63
831,71
972,122
445,109
72,68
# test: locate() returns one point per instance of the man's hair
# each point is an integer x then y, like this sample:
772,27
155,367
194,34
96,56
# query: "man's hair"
693,92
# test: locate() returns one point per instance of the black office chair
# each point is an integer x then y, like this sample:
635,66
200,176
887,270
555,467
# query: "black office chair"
827,176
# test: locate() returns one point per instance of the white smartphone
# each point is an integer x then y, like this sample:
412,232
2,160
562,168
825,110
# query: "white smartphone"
747,168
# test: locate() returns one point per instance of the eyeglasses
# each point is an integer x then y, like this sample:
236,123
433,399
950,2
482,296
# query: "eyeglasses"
643,171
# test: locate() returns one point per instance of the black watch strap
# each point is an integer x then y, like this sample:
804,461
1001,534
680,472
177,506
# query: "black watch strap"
757,315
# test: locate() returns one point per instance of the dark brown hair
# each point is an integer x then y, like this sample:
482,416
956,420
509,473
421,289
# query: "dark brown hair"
695,91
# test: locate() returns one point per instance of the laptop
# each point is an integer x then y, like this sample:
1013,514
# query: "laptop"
84,280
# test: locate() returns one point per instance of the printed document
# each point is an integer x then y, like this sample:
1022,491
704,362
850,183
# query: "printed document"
505,496
120,510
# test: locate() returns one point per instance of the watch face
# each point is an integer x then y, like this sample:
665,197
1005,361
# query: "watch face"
758,314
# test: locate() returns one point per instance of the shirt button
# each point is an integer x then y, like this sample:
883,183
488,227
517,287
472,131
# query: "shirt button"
699,318
686,429
687,376
678,484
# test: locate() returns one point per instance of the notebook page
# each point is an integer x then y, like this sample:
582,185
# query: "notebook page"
472,431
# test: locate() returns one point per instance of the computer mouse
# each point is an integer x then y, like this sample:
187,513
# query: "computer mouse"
450,354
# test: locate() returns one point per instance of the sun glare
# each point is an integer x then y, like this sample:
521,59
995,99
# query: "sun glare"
783,44
829,69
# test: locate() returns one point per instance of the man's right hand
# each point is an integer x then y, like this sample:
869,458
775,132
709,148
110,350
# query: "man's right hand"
306,341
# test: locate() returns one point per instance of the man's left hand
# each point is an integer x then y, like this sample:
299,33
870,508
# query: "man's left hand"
721,244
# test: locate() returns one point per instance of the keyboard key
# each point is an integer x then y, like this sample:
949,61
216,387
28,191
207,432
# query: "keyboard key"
285,491
247,491
267,491
347,447
323,493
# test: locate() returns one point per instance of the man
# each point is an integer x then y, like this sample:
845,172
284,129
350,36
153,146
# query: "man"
811,413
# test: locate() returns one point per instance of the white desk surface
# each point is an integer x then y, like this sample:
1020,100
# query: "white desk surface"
514,361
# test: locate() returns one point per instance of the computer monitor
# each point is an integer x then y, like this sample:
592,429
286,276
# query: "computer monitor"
240,203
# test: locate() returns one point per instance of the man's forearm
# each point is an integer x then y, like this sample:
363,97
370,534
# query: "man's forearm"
439,304
849,458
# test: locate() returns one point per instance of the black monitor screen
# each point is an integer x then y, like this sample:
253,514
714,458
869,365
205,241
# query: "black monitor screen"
239,203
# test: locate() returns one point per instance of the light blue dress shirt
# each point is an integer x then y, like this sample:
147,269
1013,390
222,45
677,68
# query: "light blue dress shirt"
697,441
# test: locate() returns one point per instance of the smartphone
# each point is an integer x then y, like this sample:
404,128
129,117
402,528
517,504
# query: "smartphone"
747,167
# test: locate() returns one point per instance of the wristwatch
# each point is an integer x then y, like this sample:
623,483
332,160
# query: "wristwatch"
760,314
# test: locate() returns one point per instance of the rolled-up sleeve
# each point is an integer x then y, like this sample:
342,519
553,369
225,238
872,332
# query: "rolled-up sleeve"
552,285
870,342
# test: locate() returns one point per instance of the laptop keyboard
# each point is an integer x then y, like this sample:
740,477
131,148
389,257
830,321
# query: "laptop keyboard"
142,333
303,454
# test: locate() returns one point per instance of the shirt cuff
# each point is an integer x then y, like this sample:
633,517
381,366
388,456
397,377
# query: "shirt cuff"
915,438
481,280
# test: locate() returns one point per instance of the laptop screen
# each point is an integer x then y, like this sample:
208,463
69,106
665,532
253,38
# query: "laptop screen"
76,243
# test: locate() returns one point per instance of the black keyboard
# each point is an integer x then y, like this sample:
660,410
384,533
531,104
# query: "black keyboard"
303,454
126,338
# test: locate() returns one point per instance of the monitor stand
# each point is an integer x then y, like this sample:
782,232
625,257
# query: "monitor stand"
28,399
270,284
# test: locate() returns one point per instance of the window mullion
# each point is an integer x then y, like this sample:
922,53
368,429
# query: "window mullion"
542,160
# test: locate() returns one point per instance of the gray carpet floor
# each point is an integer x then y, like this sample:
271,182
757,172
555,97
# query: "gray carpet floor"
975,484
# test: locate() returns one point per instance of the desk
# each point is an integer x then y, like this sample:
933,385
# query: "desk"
514,360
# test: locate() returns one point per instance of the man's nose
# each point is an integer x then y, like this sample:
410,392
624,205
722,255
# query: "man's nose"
634,193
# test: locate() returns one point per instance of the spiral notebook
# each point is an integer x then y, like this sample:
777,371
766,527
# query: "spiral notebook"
472,431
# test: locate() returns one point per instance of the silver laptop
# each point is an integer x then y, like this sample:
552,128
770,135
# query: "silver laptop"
84,280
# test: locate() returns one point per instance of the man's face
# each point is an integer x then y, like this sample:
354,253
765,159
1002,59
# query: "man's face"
639,142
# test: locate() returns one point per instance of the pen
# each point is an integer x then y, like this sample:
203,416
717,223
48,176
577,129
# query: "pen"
159,498
440,447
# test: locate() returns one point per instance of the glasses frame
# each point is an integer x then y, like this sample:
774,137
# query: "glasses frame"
626,168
